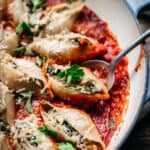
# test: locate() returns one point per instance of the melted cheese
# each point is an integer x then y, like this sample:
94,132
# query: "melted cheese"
72,124
24,132
63,16
19,11
61,89
61,45
7,105
8,40
25,74
54,20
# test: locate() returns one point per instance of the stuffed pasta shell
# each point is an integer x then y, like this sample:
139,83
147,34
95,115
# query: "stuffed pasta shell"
63,16
53,20
7,104
72,125
75,83
8,38
21,74
67,47
26,136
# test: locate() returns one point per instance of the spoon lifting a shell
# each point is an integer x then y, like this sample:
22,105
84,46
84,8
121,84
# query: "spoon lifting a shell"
110,67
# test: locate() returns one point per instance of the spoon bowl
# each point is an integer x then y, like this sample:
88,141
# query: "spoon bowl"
98,64
110,67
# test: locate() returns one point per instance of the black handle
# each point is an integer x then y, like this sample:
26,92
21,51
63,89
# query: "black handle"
147,96
137,6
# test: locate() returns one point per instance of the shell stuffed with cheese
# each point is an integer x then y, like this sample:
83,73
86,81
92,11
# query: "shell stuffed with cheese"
8,38
73,125
24,135
21,74
89,88
66,47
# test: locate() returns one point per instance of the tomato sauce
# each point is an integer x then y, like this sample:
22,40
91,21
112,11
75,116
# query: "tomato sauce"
108,114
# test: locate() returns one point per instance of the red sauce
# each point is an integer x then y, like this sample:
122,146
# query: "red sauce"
23,113
107,115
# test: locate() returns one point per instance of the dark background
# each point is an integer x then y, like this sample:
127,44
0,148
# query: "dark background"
139,138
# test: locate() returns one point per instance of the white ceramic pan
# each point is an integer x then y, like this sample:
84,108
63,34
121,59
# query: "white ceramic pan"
122,19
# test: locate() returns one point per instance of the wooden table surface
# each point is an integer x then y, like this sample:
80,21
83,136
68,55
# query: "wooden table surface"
139,138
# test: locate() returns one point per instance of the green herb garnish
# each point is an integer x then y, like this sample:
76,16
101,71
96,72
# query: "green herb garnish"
111,123
27,96
66,146
22,51
24,28
48,132
40,61
37,4
37,140
72,74
69,1
28,52
19,100
67,31
61,74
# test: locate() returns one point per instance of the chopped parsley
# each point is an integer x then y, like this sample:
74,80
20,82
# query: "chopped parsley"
66,146
48,132
25,96
111,123
67,31
37,4
40,61
69,1
72,74
24,29
22,51
28,52
61,74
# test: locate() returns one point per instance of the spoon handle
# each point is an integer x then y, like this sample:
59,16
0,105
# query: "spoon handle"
139,40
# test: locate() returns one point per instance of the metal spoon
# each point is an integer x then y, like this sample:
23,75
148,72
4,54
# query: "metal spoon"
110,67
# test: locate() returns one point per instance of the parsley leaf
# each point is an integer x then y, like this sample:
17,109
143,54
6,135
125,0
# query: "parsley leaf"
20,51
48,132
28,52
111,123
40,61
69,1
67,31
60,74
37,4
24,28
37,140
27,96
65,146
72,74
19,100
